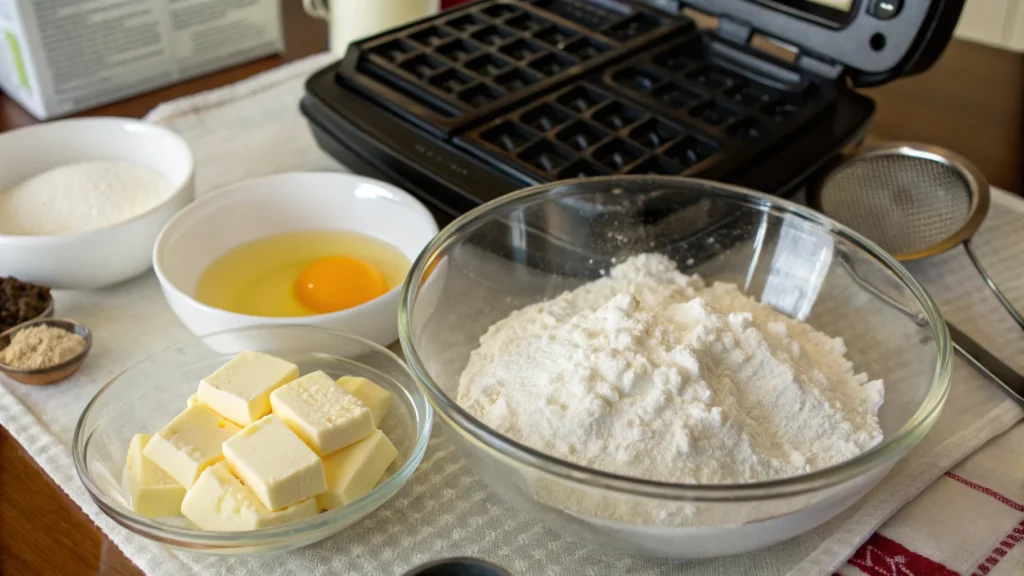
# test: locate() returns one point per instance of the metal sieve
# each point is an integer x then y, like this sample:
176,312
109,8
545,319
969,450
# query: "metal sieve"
914,200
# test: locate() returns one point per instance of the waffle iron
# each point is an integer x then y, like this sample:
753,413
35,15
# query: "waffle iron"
496,95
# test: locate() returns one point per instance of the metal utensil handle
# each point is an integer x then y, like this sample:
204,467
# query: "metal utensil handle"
1011,380
992,285
987,363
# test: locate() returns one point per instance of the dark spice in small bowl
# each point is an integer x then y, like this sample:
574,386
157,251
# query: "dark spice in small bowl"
22,301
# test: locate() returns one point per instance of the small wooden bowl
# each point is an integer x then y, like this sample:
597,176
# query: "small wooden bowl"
50,374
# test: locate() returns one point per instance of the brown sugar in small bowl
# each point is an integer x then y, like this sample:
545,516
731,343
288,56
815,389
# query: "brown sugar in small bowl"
49,374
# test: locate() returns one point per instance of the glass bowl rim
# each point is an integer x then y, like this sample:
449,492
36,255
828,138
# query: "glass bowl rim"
511,450
174,535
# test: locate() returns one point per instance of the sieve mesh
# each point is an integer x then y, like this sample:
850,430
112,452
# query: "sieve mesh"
904,203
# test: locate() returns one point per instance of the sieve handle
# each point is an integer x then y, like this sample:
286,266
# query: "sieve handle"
988,363
992,285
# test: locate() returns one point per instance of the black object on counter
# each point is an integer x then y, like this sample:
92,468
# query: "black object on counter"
458,567
465,106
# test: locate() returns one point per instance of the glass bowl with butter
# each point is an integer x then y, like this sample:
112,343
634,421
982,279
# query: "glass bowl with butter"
253,440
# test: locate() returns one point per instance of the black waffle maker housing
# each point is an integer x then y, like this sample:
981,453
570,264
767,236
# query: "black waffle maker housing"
496,95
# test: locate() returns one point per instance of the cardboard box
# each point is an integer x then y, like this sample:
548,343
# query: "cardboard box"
58,57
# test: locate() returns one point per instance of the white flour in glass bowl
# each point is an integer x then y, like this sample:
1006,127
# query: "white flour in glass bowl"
650,373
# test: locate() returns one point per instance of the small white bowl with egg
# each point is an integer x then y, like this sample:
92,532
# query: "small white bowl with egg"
235,256
83,200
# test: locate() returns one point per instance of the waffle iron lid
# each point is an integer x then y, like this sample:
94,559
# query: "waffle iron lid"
869,41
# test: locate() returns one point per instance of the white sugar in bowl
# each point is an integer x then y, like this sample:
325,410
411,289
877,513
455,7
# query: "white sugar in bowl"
111,253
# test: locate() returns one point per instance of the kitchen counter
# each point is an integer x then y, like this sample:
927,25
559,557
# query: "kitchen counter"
972,101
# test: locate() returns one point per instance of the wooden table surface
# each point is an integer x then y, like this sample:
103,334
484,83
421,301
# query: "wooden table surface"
972,101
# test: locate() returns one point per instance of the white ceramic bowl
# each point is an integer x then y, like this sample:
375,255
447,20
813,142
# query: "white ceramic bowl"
238,214
103,256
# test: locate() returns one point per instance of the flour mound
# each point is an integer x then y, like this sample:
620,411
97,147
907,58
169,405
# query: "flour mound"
650,373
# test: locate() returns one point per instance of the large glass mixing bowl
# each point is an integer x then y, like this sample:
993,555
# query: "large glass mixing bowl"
535,244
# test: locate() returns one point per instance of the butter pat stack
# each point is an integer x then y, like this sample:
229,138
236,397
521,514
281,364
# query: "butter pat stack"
190,443
153,492
275,464
259,446
322,413
220,502
240,390
377,399
354,471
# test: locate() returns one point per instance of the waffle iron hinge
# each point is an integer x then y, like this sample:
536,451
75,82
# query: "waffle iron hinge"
733,43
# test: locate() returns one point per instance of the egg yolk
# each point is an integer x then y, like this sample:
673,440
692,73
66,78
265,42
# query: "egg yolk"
338,282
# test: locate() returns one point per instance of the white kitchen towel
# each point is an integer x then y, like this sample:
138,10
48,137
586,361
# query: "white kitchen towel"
254,128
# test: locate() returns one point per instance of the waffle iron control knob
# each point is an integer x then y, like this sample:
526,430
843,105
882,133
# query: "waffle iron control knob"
885,9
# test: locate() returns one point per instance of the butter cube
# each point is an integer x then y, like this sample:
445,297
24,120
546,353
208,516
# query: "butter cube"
154,494
190,443
275,464
218,501
192,400
322,413
240,390
377,399
353,472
